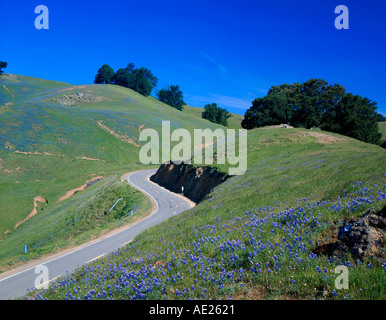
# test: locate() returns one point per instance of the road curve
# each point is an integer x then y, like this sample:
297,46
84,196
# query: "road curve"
166,203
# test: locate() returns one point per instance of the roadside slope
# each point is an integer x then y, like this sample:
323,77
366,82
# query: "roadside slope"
167,205
254,236
54,137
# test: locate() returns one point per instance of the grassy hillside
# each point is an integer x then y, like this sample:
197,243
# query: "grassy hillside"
253,237
382,129
234,122
75,220
54,137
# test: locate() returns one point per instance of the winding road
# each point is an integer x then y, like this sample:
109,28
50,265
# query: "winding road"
166,205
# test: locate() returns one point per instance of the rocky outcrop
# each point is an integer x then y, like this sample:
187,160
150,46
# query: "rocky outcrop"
71,99
362,237
196,182
9,76
81,97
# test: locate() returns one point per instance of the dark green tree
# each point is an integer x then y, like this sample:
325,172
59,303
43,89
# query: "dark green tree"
316,103
288,95
381,118
105,75
143,81
146,73
312,98
123,78
269,110
173,96
3,65
255,116
130,67
298,104
355,117
216,114
140,80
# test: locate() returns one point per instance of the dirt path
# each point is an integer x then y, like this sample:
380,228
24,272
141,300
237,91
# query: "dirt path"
56,155
34,211
70,193
13,97
122,138
38,153
91,159
58,252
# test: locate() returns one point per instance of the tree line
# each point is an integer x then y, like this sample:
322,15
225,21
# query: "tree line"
140,80
143,81
316,103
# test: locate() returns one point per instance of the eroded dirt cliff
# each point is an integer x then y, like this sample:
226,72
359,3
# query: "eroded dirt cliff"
196,182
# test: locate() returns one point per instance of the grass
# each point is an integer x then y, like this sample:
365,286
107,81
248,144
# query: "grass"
48,176
47,149
253,237
75,220
234,122
382,129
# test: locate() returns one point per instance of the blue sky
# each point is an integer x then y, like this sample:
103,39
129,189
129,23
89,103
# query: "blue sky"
228,52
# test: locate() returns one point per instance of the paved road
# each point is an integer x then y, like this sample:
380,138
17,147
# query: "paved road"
167,204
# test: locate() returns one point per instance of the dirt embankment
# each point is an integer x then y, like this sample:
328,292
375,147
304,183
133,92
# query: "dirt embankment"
70,193
34,210
124,138
196,182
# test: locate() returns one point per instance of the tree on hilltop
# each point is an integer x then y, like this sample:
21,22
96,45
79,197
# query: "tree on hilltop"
380,117
272,109
143,81
355,117
312,99
316,103
140,80
173,96
130,67
215,114
123,78
105,75
2,66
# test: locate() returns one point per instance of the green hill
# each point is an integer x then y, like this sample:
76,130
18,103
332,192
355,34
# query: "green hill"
54,137
234,122
254,237
382,129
